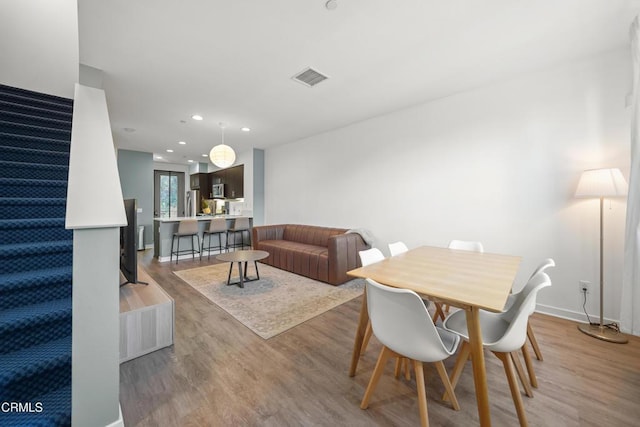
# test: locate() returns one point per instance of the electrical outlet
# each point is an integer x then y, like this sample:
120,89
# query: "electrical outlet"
583,286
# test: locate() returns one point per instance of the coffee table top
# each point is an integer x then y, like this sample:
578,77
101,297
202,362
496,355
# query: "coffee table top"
242,256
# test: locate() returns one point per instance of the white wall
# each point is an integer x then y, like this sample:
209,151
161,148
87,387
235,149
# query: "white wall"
39,45
498,164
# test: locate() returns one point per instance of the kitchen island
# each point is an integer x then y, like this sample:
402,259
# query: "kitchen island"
163,229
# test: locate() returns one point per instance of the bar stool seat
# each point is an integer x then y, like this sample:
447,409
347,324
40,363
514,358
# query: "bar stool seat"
186,228
217,226
240,225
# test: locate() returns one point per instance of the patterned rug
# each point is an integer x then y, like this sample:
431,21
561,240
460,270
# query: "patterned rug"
277,302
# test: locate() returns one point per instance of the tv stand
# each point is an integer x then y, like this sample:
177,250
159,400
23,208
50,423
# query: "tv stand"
146,318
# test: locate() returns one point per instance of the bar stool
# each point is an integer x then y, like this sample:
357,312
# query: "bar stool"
240,225
217,226
186,228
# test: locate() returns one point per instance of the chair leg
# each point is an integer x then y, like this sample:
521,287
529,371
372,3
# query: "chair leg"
534,342
463,356
178,251
173,238
407,370
513,386
398,368
521,375
367,336
193,252
375,376
447,384
422,394
529,364
438,313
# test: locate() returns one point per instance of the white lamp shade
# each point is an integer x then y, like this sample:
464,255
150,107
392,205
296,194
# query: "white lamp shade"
602,183
222,156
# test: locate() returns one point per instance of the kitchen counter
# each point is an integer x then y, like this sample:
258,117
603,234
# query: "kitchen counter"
200,218
163,229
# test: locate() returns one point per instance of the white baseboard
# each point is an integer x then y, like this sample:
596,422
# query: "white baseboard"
570,315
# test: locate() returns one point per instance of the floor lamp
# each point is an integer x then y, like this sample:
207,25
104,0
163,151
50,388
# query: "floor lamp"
602,183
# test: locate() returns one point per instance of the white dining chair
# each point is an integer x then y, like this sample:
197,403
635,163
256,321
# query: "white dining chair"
542,267
397,248
402,324
463,245
368,257
503,334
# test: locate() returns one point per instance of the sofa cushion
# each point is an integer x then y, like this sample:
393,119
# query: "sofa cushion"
310,235
299,258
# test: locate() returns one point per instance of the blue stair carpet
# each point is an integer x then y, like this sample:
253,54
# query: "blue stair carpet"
36,253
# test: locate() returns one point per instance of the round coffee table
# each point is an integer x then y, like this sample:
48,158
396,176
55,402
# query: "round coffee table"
240,257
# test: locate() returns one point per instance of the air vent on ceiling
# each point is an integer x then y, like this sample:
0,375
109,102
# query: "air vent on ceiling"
309,77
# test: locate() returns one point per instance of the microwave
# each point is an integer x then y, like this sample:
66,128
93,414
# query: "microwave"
217,191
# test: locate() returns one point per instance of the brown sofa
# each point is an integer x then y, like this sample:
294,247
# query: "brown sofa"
321,253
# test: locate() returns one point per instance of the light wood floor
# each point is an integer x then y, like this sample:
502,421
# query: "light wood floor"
219,373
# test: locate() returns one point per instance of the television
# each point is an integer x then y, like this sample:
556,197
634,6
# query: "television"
128,249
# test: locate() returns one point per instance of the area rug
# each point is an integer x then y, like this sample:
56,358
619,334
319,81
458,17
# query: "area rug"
277,302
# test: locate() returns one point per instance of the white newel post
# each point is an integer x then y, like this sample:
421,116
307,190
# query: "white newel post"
95,212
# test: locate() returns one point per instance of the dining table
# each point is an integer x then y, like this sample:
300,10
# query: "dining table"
469,280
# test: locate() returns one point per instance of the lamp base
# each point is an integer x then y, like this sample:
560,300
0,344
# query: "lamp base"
603,333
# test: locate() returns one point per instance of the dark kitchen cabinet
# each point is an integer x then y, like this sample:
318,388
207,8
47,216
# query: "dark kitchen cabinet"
200,181
233,180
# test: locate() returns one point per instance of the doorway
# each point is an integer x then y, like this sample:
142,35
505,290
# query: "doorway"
168,192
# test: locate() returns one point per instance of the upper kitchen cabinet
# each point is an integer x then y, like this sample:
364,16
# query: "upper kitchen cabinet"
200,181
233,180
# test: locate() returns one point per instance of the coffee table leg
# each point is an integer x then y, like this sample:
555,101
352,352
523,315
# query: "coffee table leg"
229,277
245,271
241,275
257,273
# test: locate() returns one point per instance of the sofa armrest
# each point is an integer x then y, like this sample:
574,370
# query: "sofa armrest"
343,256
266,232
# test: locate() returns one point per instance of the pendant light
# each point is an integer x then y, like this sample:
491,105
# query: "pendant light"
222,155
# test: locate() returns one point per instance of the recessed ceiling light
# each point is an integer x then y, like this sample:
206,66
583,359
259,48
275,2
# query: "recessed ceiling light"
169,150
205,155
197,117
190,161
157,157
245,129
181,142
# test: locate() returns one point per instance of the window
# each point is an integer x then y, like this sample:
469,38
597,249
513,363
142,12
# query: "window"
168,194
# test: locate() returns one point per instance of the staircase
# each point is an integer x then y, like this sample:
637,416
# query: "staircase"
35,259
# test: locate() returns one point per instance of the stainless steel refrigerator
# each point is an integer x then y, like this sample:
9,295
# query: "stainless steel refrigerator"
193,202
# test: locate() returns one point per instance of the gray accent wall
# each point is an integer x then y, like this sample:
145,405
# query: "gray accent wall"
136,179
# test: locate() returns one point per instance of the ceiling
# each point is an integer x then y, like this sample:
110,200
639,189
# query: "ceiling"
232,61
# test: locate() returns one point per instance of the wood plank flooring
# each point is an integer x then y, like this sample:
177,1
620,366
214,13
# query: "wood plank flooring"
219,373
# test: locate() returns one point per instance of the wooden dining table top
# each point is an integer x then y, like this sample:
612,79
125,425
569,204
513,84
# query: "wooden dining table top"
458,277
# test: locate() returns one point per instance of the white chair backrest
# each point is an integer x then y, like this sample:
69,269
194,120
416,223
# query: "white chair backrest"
466,245
547,263
521,296
188,226
397,248
218,225
370,256
401,322
518,315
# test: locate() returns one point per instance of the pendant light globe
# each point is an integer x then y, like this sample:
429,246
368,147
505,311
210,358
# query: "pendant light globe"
222,155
